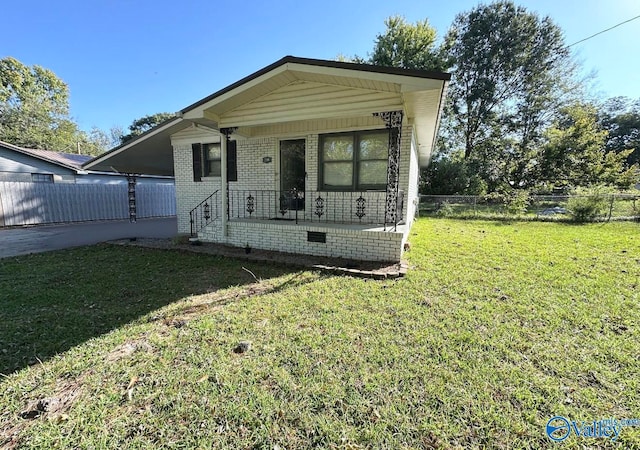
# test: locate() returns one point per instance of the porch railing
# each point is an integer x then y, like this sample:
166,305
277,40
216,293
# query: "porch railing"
365,207
206,212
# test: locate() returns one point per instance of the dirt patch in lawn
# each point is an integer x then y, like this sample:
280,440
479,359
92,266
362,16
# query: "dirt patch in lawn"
128,349
53,407
364,269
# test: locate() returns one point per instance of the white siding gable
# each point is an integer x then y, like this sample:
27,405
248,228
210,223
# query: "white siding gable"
302,100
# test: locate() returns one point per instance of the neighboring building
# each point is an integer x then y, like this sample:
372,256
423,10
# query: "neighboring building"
304,156
43,166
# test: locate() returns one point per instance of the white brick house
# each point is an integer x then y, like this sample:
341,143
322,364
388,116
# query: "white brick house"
312,156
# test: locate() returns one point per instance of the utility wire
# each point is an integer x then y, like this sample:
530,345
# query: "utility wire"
603,31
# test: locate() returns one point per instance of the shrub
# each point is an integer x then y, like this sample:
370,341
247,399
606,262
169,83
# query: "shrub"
516,202
445,210
512,202
585,205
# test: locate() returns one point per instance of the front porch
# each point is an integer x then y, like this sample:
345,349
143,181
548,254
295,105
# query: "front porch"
304,156
352,225
357,208
322,207
362,242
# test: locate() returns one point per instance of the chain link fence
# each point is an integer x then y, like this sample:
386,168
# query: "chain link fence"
580,208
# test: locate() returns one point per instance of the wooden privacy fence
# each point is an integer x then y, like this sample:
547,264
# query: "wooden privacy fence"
40,203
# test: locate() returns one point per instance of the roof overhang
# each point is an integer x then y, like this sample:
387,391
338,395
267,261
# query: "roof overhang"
150,153
37,154
418,93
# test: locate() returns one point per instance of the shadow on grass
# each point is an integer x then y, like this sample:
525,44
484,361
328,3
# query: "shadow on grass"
51,302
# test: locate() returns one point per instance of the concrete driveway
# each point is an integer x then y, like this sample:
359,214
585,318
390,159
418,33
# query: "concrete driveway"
21,241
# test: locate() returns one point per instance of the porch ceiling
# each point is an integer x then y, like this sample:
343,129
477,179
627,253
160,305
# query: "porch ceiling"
151,154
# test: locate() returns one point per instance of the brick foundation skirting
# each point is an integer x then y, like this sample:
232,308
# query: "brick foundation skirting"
361,245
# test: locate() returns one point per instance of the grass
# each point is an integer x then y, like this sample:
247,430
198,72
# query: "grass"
497,328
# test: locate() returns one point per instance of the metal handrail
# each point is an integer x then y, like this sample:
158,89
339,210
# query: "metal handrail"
348,207
204,213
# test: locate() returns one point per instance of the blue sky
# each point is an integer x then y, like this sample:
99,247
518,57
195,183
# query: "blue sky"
123,59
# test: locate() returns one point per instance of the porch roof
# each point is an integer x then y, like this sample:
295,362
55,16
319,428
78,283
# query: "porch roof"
293,90
150,153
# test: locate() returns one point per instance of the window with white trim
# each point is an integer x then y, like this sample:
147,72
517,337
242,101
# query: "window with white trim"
353,161
212,159
207,160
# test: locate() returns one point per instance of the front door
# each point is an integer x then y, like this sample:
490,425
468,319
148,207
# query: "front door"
292,172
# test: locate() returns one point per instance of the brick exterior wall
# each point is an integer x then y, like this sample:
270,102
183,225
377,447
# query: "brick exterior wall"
254,174
188,192
291,238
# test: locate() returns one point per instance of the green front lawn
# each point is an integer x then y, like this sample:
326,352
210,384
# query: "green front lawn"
497,328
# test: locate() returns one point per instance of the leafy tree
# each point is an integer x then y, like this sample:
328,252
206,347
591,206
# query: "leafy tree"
575,153
511,71
451,174
352,59
115,135
94,142
144,124
405,45
444,176
34,111
621,118
34,106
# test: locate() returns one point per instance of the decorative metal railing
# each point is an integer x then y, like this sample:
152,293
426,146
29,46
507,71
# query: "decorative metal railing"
365,207
206,212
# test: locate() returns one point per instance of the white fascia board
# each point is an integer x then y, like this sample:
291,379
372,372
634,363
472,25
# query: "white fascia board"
198,112
418,83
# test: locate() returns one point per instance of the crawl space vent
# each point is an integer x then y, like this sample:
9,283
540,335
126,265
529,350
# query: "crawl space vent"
316,236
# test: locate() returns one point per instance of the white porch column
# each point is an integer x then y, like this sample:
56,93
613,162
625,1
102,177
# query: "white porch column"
224,178
224,185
